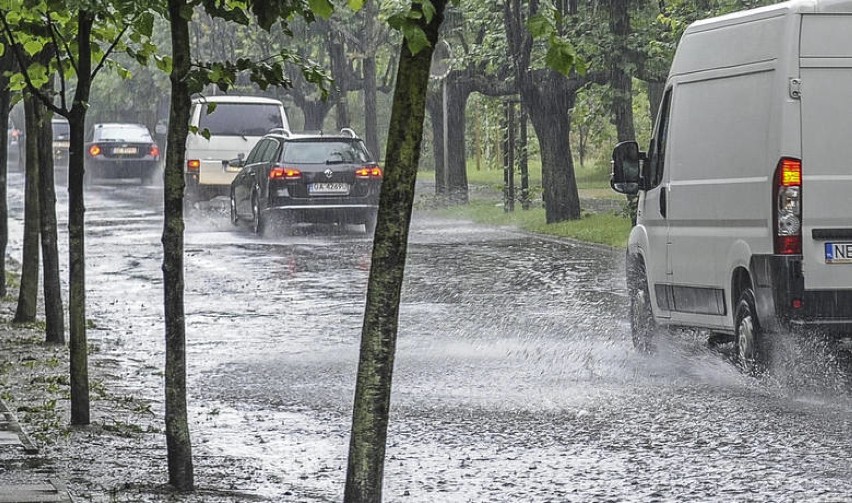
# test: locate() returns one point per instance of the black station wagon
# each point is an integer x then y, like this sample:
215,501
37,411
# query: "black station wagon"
314,178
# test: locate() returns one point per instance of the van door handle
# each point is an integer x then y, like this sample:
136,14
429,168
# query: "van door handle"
663,205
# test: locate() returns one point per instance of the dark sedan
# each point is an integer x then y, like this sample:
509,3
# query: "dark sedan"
307,178
117,151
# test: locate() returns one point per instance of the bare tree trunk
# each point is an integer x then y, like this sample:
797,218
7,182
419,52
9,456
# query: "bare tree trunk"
78,345
53,310
178,442
28,293
339,71
436,113
620,80
5,103
371,121
457,96
365,469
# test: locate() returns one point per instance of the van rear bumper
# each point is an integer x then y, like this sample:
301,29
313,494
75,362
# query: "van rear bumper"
780,288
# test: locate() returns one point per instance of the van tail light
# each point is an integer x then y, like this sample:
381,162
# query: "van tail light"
95,150
193,165
787,211
366,172
284,173
154,150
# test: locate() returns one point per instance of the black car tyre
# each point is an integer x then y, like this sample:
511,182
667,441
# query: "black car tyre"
752,343
235,219
370,223
258,222
642,324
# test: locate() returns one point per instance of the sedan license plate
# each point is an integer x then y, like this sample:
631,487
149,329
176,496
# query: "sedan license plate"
124,150
328,188
838,253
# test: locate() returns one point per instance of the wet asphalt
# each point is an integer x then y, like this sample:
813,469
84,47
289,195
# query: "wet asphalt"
515,378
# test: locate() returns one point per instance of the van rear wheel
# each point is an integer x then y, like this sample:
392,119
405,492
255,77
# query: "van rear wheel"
752,345
642,324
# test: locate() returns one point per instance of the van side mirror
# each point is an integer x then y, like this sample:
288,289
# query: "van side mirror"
626,168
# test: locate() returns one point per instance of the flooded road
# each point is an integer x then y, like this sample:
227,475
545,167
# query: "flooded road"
515,377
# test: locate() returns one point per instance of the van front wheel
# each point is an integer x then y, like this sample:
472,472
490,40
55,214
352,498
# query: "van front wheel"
752,344
642,324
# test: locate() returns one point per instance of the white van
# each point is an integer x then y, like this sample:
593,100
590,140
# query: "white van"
236,124
744,222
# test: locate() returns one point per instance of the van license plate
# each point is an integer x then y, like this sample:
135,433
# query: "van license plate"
838,253
328,188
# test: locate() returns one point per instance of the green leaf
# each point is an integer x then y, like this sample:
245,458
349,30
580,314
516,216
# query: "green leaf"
145,25
33,47
211,107
322,8
428,10
205,133
415,37
2,49
355,5
539,26
560,56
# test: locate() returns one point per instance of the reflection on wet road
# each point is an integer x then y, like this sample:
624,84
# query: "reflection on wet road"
515,378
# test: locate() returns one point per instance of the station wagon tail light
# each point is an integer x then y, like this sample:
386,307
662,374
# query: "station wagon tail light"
95,150
369,172
154,151
193,165
788,207
284,173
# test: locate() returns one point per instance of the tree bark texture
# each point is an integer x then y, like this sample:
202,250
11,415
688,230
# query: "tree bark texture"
620,80
548,98
368,68
28,293
53,309
435,106
178,442
5,102
458,92
365,469
78,344
340,72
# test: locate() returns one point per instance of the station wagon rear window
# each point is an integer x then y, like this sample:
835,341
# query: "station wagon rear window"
325,152
240,119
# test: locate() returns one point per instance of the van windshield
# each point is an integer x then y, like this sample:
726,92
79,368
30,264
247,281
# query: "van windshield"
240,119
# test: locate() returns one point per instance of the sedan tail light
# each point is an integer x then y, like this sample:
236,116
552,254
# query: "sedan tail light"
366,172
284,173
154,151
95,150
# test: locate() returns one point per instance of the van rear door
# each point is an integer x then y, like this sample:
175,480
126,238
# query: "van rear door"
826,101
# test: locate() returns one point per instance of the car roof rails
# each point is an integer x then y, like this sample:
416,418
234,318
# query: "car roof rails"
349,131
279,130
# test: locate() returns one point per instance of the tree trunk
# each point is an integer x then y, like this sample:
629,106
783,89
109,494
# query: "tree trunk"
78,344
457,96
315,113
178,441
549,108
5,101
339,71
28,293
371,122
435,106
53,310
381,317
620,80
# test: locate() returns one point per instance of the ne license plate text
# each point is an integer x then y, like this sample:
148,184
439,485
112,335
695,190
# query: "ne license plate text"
838,253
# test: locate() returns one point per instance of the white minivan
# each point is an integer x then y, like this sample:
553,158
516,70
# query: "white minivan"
235,124
744,220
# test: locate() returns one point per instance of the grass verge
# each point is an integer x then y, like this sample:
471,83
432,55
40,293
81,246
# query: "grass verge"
607,229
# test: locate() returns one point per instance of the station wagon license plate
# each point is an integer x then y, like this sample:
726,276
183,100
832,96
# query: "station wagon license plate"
124,150
328,188
838,253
